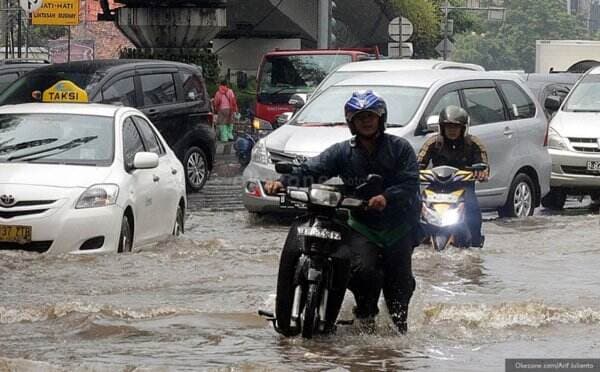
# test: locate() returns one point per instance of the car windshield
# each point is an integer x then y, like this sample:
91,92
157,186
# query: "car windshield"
336,77
296,73
585,96
56,138
328,107
21,90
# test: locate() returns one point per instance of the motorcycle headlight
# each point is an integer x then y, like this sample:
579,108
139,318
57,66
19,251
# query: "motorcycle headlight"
325,197
100,195
450,217
260,154
556,141
431,216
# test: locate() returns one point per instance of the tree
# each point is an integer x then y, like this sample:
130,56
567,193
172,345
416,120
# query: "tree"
511,45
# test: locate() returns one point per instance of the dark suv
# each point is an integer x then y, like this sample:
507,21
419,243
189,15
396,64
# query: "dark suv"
173,95
12,69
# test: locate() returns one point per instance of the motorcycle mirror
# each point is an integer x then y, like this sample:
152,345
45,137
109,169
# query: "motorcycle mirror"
432,125
479,167
297,100
284,167
374,179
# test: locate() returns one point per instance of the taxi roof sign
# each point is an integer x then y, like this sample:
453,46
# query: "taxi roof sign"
65,91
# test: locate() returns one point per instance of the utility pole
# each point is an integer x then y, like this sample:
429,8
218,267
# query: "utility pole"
323,24
19,38
446,8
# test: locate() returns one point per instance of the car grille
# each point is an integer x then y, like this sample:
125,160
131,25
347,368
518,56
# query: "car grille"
30,203
40,247
579,170
585,144
277,156
11,214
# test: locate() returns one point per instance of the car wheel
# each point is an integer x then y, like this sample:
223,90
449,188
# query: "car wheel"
179,221
554,200
196,168
521,197
126,236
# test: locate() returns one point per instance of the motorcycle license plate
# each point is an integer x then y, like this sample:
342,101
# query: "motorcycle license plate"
593,165
442,198
15,234
319,232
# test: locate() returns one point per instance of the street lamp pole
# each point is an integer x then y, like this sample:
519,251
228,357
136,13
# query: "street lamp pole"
446,30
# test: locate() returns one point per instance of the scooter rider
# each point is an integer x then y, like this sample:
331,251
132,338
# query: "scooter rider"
453,146
392,216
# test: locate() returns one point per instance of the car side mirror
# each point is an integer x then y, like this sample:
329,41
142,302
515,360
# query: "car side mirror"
284,118
552,103
433,124
297,101
145,160
259,124
284,167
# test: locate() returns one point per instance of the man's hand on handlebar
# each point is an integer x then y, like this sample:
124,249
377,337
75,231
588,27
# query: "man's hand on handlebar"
377,203
273,187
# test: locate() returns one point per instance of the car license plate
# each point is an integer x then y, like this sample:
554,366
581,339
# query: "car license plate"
593,165
15,234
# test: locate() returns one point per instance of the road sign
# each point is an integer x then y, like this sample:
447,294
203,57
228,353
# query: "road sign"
394,29
406,50
396,49
57,13
407,29
440,48
30,5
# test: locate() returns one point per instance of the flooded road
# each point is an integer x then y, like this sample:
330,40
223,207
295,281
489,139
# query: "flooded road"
190,303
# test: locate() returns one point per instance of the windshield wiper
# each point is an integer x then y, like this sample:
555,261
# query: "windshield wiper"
582,110
62,148
317,124
26,145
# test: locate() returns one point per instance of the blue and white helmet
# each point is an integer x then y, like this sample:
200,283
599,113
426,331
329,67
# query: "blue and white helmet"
362,101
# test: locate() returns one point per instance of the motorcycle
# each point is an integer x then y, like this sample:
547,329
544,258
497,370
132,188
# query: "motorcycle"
245,140
443,209
305,275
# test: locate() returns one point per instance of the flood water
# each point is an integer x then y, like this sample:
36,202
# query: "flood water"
191,303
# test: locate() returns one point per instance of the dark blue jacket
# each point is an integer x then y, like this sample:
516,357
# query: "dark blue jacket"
394,159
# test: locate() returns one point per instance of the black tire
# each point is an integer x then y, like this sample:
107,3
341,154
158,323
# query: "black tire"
521,198
178,228
196,169
286,285
126,236
311,318
554,200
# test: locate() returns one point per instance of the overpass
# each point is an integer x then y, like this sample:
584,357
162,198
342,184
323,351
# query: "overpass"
242,30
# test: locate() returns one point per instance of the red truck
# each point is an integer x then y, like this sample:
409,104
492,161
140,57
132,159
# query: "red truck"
283,73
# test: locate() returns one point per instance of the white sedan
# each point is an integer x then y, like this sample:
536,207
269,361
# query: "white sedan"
85,178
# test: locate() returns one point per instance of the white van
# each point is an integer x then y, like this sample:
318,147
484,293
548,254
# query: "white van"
574,142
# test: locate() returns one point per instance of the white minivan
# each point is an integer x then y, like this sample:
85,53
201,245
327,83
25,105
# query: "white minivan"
504,115
574,142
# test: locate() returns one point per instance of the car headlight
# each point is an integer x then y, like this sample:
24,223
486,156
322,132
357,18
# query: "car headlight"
556,141
260,154
325,197
100,195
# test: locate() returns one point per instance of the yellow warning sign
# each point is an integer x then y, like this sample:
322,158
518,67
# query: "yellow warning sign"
65,91
57,13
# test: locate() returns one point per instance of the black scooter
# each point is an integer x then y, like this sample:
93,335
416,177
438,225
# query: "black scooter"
305,275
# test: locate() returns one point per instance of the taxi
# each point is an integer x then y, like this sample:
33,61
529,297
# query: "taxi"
77,177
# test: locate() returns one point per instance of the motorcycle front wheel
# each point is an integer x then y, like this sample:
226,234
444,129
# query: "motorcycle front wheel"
310,322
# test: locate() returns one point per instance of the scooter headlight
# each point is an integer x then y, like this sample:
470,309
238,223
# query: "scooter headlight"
450,217
325,198
431,216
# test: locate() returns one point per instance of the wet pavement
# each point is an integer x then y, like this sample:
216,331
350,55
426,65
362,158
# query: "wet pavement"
190,303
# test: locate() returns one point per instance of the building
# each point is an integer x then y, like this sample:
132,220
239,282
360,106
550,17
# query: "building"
587,10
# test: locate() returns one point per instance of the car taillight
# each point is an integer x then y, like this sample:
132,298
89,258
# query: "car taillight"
546,135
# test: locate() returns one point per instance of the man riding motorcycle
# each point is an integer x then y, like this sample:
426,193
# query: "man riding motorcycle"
453,146
377,251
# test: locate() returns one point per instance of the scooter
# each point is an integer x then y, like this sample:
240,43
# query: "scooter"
246,140
443,209
305,275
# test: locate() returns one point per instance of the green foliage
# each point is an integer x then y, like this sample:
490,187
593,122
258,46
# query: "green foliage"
511,45
200,57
